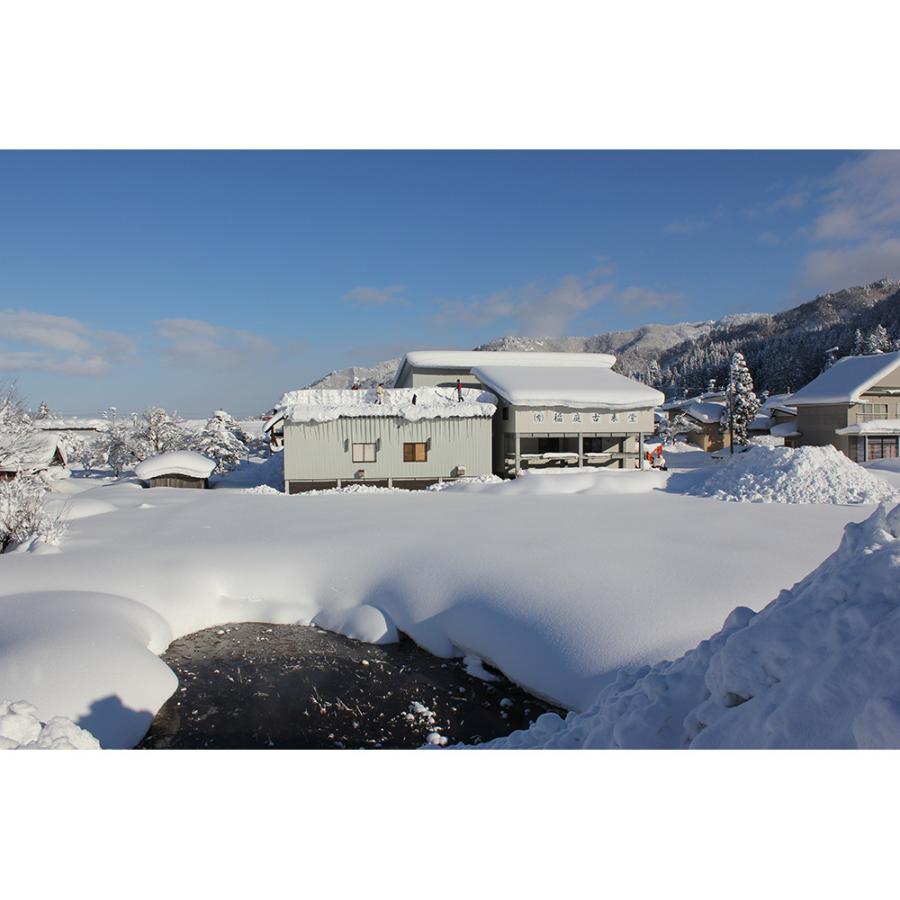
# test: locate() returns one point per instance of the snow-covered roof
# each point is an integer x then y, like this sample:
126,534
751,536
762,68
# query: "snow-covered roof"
431,403
175,462
580,387
467,360
873,426
761,423
846,379
705,411
36,453
69,423
784,429
273,420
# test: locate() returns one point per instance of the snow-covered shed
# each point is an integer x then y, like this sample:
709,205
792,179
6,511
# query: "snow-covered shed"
853,405
406,437
39,452
177,468
555,409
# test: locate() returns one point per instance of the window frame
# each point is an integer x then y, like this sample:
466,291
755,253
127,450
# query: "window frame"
411,458
363,458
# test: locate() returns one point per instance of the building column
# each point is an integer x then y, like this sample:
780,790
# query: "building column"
641,450
865,448
517,471
580,450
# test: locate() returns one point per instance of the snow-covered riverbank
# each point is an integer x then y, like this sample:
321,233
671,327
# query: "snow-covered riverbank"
558,590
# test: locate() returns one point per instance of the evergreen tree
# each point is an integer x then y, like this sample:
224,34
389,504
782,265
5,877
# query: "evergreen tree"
878,340
219,442
859,343
743,404
117,445
43,411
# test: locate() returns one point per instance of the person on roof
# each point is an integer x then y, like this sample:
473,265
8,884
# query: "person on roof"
379,394
459,395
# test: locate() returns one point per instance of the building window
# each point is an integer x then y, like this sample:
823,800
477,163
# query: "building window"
415,452
363,453
882,448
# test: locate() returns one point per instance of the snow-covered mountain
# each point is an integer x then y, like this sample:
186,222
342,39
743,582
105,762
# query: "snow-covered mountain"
380,373
783,350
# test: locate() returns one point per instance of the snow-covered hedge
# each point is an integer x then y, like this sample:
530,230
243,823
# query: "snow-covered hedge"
23,515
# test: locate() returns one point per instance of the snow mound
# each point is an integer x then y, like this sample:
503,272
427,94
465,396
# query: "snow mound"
786,475
262,489
21,729
553,482
468,480
356,489
176,462
819,667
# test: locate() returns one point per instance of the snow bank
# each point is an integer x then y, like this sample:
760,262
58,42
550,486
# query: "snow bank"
560,482
176,462
431,403
786,475
819,667
21,729
558,590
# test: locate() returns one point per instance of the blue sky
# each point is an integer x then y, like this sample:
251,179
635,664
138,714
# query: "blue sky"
208,279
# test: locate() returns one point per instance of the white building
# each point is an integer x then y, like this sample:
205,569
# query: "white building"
413,438
554,408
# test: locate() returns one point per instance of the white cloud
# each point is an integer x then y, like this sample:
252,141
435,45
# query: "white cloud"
685,226
65,345
373,296
638,299
194,342
857,226
541,311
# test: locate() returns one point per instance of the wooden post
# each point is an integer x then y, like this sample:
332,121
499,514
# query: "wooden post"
517,471
641,450
580,450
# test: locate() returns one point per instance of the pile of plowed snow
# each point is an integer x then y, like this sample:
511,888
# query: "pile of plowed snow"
786,475
21,729
819,667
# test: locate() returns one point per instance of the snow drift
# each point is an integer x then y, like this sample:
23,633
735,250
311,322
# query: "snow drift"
765,474
21,729
819,667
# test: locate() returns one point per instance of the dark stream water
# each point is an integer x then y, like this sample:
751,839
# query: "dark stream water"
253,685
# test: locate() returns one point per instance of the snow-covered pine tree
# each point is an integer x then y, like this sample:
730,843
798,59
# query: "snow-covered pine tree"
878,340
43,411
859,343
219,442
743,404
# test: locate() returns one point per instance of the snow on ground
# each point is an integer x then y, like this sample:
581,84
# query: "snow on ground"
558,580
21,729
785,475
819,667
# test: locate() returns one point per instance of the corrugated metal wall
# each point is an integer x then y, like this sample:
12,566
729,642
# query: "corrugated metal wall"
323,450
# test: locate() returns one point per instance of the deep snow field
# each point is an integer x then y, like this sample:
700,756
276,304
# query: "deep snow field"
569,582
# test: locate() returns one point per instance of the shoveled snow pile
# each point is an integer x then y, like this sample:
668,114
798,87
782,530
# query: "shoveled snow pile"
786,475
819,667
467,480
175,462
21,729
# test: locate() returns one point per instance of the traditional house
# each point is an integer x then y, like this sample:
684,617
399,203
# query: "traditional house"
176,469
554,409
39,452
703,416
407,438
853,405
